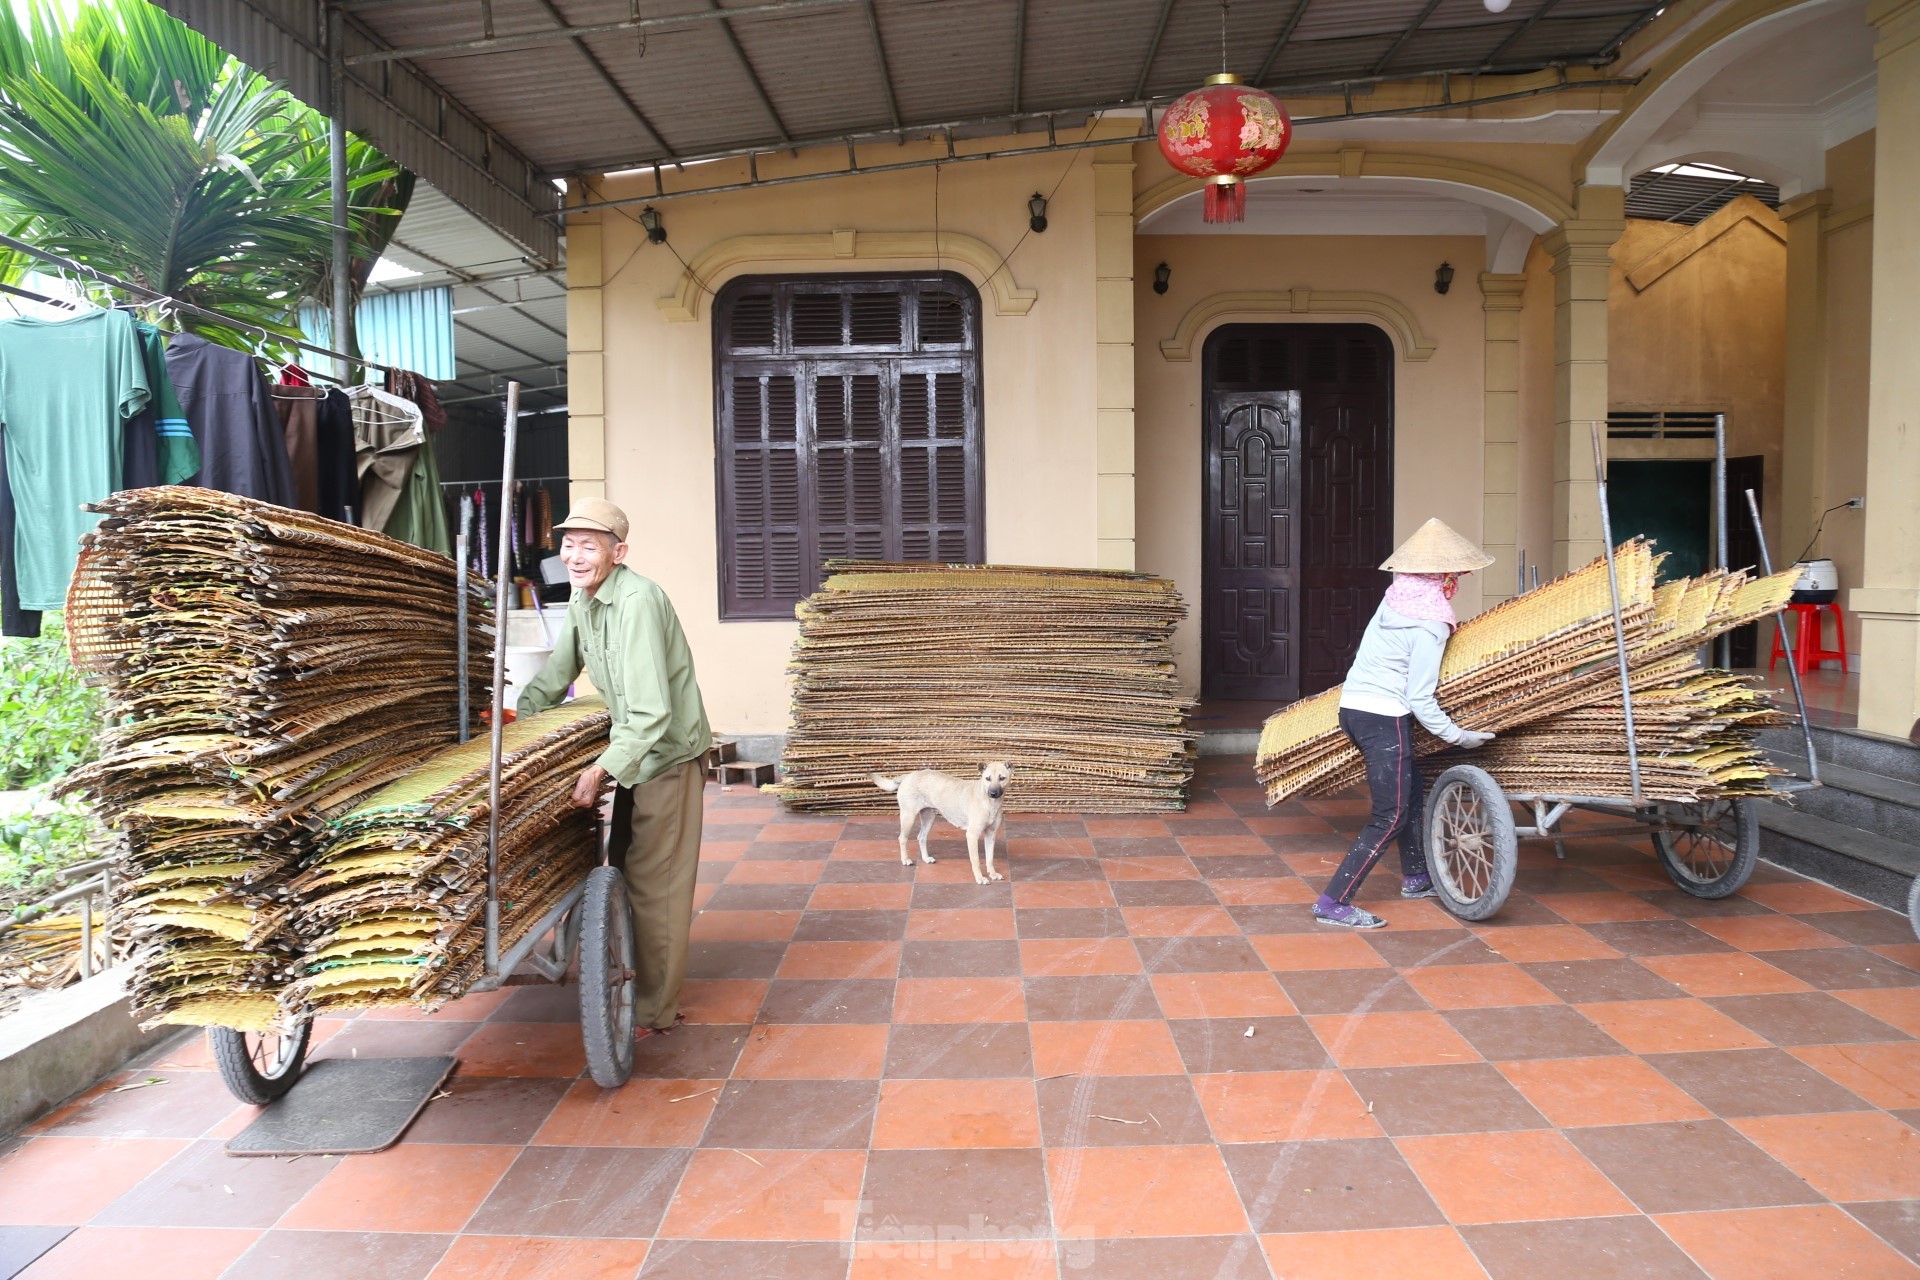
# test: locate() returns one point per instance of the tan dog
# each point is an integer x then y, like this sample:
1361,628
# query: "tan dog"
975,806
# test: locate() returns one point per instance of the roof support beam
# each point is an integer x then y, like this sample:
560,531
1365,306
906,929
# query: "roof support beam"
532,39
1520,32
746,64
1640,20
606,78
1406,35
880,57
471,281
1280,41
1153,50
1019,52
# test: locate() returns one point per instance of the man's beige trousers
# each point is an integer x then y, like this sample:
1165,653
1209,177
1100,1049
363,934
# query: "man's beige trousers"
655,835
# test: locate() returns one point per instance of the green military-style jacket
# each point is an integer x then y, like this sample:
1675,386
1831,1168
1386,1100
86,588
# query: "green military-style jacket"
628,638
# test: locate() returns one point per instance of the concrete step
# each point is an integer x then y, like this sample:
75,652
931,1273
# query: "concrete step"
1861,862
1856,798
1851,749
750,772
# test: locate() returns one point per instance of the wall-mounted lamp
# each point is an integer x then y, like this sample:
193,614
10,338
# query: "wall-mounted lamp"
1443,278
650,219
1161,274
1037,213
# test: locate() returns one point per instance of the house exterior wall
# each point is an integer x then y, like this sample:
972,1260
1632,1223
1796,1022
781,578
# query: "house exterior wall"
1708,333
1092,382
658,429
1437,400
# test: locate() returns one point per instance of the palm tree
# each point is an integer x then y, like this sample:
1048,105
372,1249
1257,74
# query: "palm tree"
131,143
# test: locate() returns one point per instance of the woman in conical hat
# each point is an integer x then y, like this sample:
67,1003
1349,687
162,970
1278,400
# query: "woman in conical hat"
1390,684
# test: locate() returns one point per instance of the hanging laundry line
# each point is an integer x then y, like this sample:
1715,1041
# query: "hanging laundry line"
154,295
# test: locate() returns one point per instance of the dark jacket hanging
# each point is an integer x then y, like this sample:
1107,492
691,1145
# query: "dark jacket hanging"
242,446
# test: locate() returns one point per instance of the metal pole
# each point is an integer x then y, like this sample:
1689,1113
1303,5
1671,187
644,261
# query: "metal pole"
337,174
503,584
1790,640
460,609
1722,645
1619,625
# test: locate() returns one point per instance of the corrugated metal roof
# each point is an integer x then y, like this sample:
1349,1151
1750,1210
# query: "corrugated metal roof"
484,125
442,137
1693,192
509,317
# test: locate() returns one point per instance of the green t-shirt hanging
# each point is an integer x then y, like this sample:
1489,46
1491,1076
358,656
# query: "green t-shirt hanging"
66,388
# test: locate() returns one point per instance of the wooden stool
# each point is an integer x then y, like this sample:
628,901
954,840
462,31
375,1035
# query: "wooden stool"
1807,637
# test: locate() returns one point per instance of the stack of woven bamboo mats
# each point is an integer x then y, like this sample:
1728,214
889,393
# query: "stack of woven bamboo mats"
392,908
1541,670
1065,674
265,670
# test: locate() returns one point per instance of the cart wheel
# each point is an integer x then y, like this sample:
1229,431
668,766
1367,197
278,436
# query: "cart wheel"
1471,848
259,1066
607,977
1715,858
1913,907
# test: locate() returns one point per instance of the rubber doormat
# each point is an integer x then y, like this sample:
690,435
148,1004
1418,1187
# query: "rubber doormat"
344,1106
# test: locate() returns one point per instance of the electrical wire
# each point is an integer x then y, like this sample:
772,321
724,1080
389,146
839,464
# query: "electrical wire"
1821,524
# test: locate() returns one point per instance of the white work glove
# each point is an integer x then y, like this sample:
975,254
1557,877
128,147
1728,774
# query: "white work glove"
1473,739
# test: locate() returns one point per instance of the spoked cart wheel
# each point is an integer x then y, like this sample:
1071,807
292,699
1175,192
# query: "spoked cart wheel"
1715,858
1471,848
259,1066
607,977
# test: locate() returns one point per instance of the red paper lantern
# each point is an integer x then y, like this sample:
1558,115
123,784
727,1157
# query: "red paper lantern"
1225,133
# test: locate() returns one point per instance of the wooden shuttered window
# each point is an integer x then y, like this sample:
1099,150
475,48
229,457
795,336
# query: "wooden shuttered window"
848,424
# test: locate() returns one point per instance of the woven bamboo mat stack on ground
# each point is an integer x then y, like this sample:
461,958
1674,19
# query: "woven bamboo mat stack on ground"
393,906
1541,670
264,669
1067,675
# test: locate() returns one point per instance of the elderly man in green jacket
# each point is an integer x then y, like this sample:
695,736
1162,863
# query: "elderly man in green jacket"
622,628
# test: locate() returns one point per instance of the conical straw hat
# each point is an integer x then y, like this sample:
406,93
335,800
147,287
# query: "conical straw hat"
1435,548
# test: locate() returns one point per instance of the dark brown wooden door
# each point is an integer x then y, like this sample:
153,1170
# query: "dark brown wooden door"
1312,406
1252,545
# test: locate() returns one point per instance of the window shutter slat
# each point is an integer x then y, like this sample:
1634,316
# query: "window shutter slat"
876,319
752,322
817,320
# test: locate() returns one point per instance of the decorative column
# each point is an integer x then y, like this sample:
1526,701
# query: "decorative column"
586,360
1889,601
1803,454
1500,434
1113,352
1582,254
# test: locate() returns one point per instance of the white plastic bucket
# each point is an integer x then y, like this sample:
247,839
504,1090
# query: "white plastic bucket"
524,662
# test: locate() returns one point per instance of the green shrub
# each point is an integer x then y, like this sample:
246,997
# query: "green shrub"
38,839
49,720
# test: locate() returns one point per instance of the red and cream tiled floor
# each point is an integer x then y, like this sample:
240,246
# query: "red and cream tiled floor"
1135,1058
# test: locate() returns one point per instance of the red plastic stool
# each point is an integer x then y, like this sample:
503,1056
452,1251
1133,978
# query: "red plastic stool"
1807,637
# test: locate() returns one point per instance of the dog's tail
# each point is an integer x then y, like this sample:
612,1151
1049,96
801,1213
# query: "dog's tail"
885,783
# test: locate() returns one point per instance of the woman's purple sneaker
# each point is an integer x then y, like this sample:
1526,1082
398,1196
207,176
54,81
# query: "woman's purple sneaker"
1345,914
1417,886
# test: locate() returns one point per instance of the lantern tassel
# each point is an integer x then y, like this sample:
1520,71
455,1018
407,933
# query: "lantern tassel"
1225,202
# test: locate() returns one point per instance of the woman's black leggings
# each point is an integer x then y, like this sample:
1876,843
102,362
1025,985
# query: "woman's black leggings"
1393,778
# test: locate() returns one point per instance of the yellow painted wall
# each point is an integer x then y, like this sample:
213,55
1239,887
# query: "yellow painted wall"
1849,317
1536,412
1437,402
1709,333
1039,405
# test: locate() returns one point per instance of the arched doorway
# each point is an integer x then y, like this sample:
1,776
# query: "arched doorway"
1298,503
